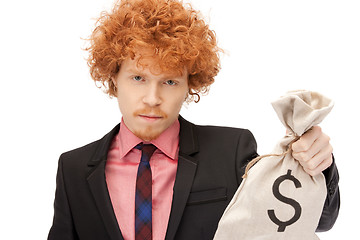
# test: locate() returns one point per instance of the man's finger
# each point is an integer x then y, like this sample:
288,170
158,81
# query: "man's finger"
306,141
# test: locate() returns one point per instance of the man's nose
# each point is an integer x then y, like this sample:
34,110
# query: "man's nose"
152,95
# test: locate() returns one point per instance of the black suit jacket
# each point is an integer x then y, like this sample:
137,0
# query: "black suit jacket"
210,165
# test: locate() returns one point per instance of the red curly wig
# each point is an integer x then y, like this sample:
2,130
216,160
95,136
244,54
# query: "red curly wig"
174,33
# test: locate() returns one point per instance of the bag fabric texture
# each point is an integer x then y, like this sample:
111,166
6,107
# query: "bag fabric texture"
278,200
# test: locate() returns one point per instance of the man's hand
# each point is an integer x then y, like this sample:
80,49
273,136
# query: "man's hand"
313,151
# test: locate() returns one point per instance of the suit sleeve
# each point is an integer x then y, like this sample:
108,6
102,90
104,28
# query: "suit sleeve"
332,202
62,227
246,151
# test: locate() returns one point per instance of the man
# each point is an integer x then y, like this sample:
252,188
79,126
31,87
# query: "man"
153,55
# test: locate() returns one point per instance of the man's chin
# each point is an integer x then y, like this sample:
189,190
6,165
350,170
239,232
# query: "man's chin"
147,134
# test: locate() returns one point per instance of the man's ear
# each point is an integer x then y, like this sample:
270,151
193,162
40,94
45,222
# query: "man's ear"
113,85
113,79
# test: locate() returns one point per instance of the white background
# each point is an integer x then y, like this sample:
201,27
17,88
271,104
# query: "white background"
49,104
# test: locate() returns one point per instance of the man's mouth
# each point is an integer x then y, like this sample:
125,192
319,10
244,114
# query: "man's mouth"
150,117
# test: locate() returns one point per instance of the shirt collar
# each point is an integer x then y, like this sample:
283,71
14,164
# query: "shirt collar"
167,142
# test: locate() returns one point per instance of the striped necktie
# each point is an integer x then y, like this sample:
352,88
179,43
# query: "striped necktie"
143,194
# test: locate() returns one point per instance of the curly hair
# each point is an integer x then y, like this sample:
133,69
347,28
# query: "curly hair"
174,33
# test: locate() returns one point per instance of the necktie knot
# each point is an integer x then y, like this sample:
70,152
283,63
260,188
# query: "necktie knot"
147,151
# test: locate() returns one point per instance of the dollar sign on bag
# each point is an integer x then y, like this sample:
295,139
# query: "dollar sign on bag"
282,225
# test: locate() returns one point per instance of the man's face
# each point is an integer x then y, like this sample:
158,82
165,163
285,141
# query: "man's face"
150,101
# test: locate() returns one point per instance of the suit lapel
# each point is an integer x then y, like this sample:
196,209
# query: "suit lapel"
97,184
184,176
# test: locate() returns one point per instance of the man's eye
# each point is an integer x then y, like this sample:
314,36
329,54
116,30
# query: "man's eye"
170,82
138,78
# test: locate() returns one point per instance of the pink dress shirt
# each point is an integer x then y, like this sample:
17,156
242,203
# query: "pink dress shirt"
121,171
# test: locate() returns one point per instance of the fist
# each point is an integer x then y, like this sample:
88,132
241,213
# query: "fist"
313,151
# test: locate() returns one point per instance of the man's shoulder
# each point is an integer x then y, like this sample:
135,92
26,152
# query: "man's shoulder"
212,134
79,151
219,140
94,149
217,130
223,132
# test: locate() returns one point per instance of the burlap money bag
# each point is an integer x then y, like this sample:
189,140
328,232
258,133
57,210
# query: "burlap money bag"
278,200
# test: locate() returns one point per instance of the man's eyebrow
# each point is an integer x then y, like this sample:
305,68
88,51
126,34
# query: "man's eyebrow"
136,72
165,76
173,75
